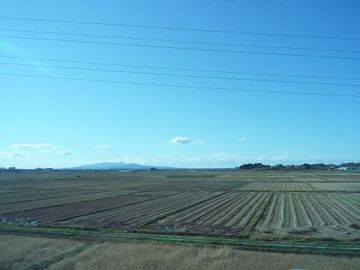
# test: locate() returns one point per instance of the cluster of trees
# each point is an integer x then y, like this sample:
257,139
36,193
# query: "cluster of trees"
305,166
10,169
14,169
251,166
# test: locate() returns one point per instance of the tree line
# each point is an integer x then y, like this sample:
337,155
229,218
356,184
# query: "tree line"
304,166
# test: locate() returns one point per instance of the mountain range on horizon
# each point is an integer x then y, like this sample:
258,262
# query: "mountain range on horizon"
116,166
135,166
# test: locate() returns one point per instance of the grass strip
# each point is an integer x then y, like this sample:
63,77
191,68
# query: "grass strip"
317,247
69,253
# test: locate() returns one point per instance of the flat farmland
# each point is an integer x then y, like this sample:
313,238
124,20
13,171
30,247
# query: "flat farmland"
131,216
228,214
350,186
330,215
282,186
266,205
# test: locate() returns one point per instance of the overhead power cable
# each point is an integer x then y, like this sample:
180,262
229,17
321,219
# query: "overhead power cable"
180,69
171,28
177,75
183,48
180,41
182,86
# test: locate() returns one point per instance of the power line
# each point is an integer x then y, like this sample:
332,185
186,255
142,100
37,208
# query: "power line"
183,48
180,41
180,28
181,86
178,75
180,69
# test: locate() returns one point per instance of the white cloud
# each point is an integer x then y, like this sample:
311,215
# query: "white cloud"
36,149
32,145
212,160
278,158
130,159
62,152
242,139
217,160
9,155
180,140
102,146
34,158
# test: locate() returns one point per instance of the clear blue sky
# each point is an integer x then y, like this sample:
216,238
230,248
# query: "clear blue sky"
58,123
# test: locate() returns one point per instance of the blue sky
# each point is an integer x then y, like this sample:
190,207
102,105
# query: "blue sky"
47,122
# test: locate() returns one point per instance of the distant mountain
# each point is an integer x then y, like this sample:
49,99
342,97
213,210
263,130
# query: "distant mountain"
116,166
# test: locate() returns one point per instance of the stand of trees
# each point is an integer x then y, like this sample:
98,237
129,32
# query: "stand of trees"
305,166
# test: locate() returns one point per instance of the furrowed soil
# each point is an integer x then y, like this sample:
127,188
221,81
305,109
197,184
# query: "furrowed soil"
255,205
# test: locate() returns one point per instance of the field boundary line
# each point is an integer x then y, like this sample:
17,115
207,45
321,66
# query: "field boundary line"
314,247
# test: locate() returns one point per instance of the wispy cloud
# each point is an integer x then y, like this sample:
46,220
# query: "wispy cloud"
242,139
131,159
32,146
65,152
39,148
9,155
34,155
62,152
102,146
34,158
180,140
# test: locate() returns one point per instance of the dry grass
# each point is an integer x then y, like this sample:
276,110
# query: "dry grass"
164,257
19,252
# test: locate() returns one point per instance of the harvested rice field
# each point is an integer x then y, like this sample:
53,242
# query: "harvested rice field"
250,204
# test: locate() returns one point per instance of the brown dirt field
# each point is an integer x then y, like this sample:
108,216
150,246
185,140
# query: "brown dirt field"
72,210
307,204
